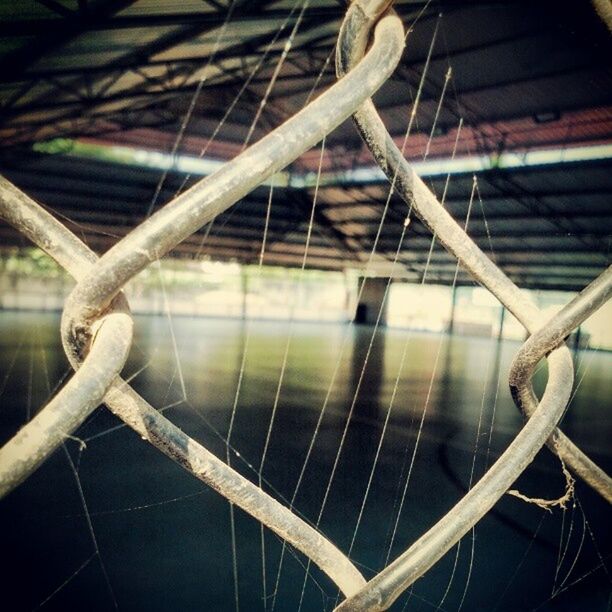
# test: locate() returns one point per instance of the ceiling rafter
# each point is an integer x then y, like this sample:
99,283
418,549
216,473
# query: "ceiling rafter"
13,65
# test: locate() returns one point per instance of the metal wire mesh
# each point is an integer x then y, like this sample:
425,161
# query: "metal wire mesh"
97,326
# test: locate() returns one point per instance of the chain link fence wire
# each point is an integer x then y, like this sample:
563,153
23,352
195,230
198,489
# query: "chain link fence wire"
97,326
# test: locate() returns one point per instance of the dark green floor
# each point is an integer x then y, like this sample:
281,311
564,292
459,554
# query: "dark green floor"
164,538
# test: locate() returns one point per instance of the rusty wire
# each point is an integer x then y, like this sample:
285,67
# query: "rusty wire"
102,282
97,327
351,44
384,588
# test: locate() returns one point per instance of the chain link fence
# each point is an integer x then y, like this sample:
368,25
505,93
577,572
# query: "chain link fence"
97,326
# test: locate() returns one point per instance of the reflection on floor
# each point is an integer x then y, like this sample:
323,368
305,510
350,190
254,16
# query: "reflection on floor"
164,538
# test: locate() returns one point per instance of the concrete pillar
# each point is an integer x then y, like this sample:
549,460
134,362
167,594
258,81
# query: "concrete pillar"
451,319
577,335
502,317
372,300
349,292
244,287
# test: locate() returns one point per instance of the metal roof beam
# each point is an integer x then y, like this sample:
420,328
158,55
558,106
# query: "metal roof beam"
141,54
54,6
391,233
374,203
510,186
238,50
62,31
341,240
154,97
35,27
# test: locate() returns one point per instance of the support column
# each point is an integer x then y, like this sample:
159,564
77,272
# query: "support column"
244,288
451,320
577,335
372,301
502,317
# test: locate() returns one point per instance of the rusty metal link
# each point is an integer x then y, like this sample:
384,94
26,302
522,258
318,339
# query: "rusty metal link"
546,339
97,326
390,583
544,416
34,442
49,234
93,302
213,195
352,42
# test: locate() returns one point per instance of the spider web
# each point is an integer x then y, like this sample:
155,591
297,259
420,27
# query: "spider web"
369,434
